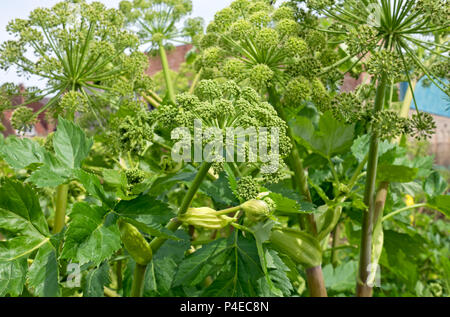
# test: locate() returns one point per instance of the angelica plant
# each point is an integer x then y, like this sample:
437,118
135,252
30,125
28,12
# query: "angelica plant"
157,24
388,34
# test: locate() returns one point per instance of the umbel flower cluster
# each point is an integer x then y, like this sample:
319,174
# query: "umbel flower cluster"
223,105
157,21
349,107
265,47
388,36
81,50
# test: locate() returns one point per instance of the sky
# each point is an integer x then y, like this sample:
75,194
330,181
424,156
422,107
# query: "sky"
21,8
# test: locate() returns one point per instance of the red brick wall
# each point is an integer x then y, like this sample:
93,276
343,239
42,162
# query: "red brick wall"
175,57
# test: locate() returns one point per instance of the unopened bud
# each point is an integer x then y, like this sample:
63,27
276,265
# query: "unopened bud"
206,218
257,210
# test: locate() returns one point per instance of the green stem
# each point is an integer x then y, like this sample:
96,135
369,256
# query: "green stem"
314,275
187,200
296,165
61,206
392,214
363,289
137,287
228,210
195,82
335,248
166,71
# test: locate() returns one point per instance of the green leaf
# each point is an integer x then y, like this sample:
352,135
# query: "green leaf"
220,191
43,274
442,204
21,153
51,174
92,235
342,278
332,136
231,178
21,216
165,183
435,184
162,269
71,144
396,173
147,214
94,282
203,262
92,185
361,145
12,277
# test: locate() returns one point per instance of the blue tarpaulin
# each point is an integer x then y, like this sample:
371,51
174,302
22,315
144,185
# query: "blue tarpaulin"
429,99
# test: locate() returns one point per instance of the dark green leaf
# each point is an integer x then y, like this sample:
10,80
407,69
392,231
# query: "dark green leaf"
12,277
92,235
43,274
148,214
95,281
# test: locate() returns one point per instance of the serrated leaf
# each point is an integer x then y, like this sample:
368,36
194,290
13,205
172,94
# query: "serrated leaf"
12,277
148,214
92,235
71,144
95,281
43,274
51,174
205,261
92,185
21,216
21,153
162,269
295,204
220,191
231,178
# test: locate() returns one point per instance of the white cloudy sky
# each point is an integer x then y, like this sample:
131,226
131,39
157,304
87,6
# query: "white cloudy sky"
10,9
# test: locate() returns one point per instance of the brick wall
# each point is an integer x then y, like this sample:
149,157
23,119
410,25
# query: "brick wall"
175,58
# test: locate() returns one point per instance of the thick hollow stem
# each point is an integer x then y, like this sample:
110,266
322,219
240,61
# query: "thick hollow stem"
316,283
61,206
166,71
367,228
137,287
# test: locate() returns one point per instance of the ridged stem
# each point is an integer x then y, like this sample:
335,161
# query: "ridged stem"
60,208
137,287
362,289
316,284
